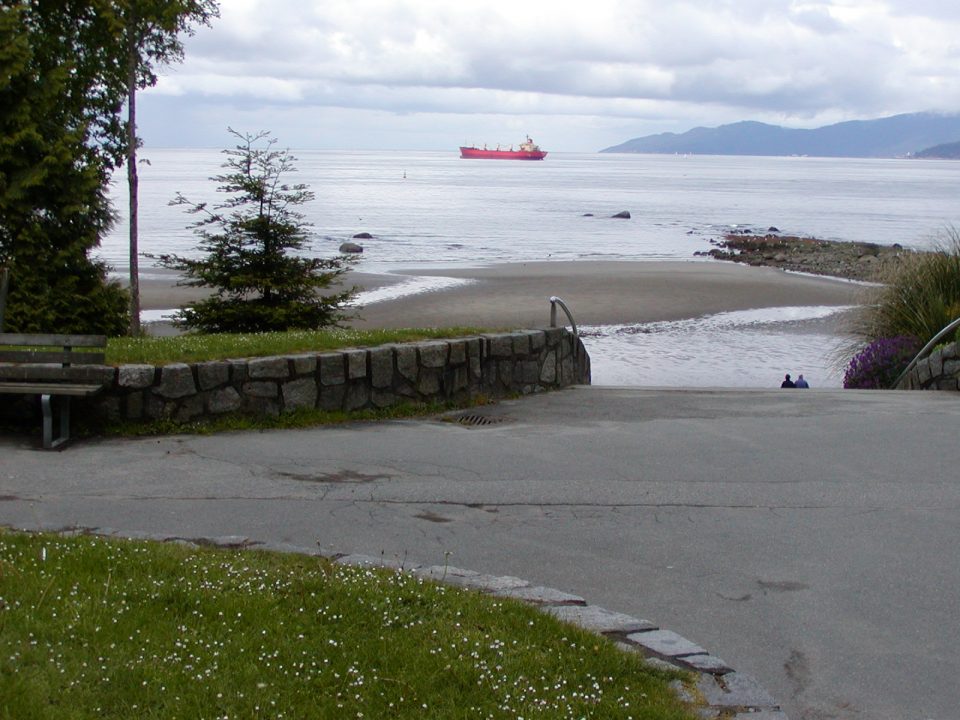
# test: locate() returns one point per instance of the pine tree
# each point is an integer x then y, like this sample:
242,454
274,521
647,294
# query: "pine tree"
250,243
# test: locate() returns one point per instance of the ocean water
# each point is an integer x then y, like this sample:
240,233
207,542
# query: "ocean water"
435,210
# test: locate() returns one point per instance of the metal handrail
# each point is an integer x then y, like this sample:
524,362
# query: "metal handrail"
925,350
554,301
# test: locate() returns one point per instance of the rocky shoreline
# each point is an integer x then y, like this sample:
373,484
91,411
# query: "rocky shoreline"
834,258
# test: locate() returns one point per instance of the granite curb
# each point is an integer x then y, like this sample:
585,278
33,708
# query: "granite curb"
718,691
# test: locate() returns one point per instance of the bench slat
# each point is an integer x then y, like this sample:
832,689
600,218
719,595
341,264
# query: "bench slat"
53,340
102,374
38,356
49,389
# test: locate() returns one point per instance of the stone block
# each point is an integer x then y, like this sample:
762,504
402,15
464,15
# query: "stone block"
553,336
303,364
738,691
441,573
407,365
429,382
529,372
488,583
238,370
499,346
381,367
474,363
133,404
273,368
357,397
433,354
599,620
261,389
382,398
332,370
666,643
521,344
951,368
176,381
541,596
136,377
331,397
705,663
224,400
212,374
566,372
457,381
538,340
548,370
189,408
458,352
262,405
155,407
356,364
505,372
299,394
109,407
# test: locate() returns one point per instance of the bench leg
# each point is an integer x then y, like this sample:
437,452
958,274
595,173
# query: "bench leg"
46,404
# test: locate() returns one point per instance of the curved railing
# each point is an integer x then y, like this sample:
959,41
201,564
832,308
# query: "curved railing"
925,350
554,301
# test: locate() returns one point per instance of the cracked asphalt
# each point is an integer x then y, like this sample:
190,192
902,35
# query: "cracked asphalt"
808,538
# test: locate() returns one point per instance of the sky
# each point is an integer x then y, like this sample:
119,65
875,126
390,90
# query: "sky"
575,76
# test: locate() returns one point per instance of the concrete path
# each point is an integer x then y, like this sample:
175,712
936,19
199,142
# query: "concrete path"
808,538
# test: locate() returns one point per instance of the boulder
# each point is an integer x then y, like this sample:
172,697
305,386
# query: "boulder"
625,215
349,247
363,236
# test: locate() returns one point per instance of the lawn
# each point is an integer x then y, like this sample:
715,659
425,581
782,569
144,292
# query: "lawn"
91,628
195,347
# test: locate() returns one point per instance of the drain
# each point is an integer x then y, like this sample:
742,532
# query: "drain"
473,420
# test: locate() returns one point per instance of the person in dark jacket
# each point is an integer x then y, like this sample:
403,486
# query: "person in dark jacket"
787,382
801,383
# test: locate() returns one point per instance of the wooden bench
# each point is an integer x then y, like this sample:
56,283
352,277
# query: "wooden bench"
51,366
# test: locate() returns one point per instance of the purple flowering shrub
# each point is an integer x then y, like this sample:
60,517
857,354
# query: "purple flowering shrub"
879,364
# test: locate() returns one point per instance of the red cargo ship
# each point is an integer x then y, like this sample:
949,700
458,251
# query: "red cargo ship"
527,151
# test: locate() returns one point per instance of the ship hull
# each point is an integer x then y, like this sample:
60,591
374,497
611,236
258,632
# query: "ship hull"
469,153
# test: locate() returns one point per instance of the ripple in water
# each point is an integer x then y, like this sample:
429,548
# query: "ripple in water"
750,348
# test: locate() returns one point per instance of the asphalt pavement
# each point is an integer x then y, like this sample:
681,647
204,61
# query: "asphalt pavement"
806,537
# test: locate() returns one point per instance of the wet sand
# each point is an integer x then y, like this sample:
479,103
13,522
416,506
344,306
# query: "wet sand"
598,293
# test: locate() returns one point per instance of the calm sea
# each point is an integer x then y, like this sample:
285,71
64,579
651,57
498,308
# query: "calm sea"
434,209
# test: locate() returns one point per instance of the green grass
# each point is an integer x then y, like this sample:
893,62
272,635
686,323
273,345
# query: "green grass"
91,628
198,347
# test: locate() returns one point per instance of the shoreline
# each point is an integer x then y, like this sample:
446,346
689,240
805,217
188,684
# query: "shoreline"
598,292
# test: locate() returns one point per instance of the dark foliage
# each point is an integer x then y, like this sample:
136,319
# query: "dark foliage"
53,175
880,363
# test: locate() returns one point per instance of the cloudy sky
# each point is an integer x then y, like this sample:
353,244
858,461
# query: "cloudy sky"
577,76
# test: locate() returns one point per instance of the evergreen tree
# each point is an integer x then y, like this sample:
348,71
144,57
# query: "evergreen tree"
249,242
53,173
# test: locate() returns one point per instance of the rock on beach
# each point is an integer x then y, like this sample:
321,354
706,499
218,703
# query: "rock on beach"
850,260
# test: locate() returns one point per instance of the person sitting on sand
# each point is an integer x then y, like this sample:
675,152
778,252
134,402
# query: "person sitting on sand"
801,383
787,382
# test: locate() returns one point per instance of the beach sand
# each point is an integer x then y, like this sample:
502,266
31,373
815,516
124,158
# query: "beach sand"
597,292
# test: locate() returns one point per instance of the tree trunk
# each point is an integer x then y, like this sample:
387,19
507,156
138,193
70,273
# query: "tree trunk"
133,183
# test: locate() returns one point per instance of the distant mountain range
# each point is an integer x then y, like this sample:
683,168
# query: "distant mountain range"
898,136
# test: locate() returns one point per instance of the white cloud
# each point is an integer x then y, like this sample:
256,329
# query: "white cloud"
622,67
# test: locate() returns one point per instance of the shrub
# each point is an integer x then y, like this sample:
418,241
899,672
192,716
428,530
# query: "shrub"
251,243
880,363
920,295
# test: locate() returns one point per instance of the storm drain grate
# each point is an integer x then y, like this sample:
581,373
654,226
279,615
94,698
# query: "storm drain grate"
477,420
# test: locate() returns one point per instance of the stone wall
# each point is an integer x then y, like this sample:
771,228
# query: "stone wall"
940,370
494,365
